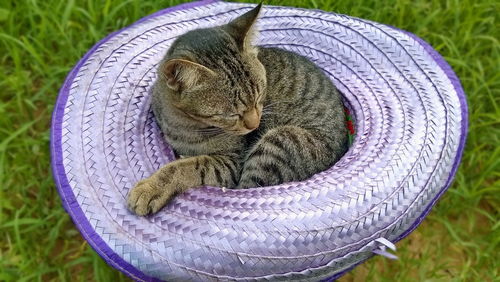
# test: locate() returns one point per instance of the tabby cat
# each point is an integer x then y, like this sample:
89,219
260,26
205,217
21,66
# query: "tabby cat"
241,115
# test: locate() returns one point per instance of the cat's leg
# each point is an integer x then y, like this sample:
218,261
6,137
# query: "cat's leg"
289,153
151,194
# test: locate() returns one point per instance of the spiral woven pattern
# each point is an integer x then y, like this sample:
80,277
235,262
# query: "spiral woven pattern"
411,121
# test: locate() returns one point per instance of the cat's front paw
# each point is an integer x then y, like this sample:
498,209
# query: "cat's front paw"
147,197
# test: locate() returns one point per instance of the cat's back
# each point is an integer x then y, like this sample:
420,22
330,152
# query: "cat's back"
295,76
300,91
272,56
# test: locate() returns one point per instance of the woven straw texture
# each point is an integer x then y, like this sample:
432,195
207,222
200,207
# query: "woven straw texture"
410,121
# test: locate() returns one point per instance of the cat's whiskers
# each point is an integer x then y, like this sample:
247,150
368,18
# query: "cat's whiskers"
268,114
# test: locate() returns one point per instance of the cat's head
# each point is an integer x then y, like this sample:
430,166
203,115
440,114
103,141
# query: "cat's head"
214,76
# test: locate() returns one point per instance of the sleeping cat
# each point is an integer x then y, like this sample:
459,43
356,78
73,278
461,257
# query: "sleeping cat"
241,115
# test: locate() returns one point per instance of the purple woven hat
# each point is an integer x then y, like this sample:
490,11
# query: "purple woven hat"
411,123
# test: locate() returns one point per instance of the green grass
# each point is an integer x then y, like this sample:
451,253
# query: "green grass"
40,41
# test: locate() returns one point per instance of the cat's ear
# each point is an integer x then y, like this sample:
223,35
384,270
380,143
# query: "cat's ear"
184,74
241,28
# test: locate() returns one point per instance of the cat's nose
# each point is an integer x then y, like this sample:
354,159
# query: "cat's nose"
251,118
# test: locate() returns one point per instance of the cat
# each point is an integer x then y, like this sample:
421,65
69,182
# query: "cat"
240,115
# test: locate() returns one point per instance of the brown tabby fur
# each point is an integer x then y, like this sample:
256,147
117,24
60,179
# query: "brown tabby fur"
242,116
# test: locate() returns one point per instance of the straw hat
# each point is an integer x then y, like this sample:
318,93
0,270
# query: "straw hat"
411,121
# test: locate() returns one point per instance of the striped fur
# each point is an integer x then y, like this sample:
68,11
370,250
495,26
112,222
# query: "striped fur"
212,85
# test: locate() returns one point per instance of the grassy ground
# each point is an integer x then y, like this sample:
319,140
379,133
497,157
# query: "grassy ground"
41,40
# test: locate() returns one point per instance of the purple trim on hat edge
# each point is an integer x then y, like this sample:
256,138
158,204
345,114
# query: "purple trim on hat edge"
68,198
